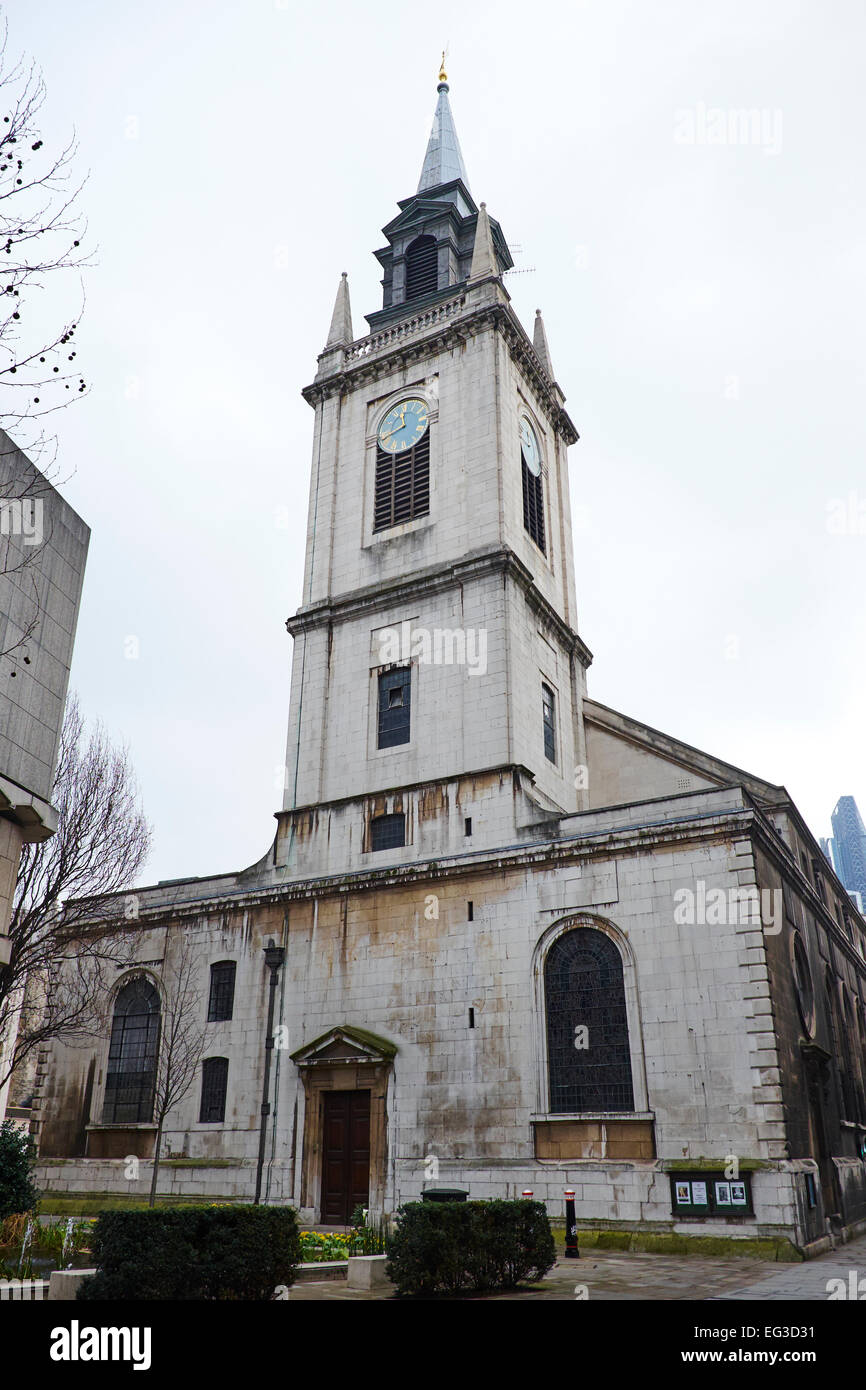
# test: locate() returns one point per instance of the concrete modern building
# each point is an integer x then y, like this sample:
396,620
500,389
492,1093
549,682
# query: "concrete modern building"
43,549
520,940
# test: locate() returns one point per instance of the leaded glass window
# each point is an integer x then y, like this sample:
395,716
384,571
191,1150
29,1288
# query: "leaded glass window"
388,832
214,1084
548,720
394,707
132,1055
222,991
587,1025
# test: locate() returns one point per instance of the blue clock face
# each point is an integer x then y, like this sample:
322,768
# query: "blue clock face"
403,426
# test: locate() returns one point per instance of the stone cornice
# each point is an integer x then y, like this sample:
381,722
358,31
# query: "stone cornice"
432,580
381,353
548,853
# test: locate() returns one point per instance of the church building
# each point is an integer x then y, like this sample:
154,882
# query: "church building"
518,941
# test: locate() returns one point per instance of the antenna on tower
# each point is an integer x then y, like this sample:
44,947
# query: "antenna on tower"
517,250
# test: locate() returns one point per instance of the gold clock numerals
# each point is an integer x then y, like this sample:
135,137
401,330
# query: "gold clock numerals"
396,432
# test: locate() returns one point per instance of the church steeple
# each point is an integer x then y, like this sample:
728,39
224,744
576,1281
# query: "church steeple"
440,239
443,161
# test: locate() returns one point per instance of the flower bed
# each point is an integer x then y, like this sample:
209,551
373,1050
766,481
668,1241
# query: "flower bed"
319,1247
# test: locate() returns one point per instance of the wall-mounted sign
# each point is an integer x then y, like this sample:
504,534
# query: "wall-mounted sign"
710,1194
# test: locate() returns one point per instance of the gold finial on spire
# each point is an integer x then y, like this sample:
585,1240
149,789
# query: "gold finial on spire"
443,76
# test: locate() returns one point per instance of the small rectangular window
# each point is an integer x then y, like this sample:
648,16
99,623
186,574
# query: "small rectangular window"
467,828
387,832
548,715
222,991
395,689
214,1084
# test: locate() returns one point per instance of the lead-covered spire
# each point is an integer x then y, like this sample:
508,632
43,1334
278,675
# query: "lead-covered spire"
443,161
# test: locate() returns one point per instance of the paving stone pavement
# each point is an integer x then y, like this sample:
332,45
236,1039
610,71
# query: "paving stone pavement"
809,1280
662,1278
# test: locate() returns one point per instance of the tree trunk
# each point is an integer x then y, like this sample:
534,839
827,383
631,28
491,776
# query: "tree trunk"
157,1144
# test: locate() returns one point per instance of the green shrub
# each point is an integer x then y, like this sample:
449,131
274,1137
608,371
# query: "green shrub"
463,1247
207,1252
17,1157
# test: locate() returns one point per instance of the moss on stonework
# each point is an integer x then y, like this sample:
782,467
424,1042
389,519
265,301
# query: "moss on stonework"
89,1203
200,1163
711,1165
671,1243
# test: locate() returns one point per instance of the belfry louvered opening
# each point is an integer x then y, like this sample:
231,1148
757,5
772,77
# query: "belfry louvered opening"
402,485
422,267
533,503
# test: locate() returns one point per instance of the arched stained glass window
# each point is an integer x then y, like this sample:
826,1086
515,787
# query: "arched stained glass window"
132,1055
587,1025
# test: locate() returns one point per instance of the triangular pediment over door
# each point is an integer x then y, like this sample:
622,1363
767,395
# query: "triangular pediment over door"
345,1044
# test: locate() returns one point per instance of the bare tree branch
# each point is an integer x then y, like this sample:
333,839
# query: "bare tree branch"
68,931
182,1041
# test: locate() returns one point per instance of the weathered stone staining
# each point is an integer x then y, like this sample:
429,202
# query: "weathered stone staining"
489,974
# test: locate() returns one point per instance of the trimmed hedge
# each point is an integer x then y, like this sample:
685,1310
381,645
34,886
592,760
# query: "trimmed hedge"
469,1247
17,1157
194,1253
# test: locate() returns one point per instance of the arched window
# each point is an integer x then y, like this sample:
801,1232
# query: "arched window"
214,1084
850,1026
840,1045
132,1055
222,991
422,267
803,983
587,1025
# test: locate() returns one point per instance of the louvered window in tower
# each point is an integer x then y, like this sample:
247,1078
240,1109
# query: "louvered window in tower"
533,502
422,267
402,484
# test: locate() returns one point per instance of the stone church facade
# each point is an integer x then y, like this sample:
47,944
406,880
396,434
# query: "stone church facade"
528,942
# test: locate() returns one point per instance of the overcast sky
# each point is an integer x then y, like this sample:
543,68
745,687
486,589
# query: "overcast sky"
704,305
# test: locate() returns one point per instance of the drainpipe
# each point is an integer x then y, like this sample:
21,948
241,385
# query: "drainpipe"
274,957
277,1076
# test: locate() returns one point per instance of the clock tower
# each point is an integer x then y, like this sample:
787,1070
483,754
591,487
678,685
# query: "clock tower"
438,676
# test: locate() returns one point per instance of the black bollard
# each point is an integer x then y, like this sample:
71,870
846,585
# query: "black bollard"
571,1250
